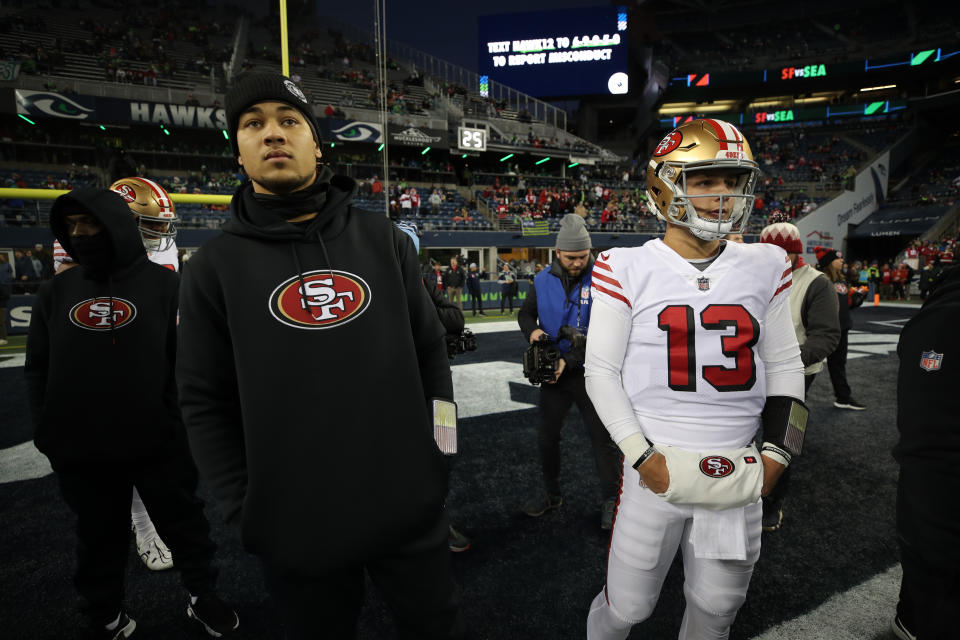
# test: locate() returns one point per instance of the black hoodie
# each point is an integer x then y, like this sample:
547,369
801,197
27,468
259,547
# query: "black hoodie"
307,357
928,407
101,346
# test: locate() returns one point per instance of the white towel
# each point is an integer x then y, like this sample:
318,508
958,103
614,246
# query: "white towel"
719,535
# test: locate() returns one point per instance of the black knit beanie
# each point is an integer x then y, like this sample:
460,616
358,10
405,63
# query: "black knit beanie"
254,86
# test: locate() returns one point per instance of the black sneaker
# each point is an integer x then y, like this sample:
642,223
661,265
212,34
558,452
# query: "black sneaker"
772,514
217,618
849,404
540,503
457,541
900,630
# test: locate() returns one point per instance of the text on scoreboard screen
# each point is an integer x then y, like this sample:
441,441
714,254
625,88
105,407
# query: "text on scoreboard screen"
557,53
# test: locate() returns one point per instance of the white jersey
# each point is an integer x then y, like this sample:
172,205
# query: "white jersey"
166,258
694,368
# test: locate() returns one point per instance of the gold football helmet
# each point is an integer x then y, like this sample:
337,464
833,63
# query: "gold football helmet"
702,145
154,210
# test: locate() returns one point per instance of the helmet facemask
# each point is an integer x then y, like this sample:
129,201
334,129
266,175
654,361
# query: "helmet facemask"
157,233
733,204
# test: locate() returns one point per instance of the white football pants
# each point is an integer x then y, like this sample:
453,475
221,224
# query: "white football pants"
646,534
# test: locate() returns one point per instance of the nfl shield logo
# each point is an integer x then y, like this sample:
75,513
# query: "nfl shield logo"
703,284
931,360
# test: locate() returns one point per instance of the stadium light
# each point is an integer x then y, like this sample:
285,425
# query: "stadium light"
333,144
571,166
102,128
542,161
506,157
26,118
886,86
465,155
164,129
425,151
380,148
226,136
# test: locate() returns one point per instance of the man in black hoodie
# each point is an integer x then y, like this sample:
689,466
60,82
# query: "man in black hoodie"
928,489
99,370
310,356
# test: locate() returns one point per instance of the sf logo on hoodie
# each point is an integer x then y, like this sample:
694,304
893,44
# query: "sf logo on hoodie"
324,299
102,314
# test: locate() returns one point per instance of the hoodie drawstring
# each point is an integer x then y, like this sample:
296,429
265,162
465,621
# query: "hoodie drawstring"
113,335
303,286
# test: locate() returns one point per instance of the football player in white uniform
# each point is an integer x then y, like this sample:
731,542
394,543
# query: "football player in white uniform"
156,218
691,349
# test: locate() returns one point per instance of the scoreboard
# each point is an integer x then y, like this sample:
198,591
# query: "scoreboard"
557,53
470,139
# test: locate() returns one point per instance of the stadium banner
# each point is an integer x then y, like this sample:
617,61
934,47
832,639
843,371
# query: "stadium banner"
96,110
417,136
911,221
827,225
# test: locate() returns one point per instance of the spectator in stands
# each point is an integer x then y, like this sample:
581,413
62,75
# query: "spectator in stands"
376,187
435,201
6,286
453,281
829,262
415,204
406,203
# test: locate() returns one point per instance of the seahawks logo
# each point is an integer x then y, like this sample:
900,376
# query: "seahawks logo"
358,132
50,104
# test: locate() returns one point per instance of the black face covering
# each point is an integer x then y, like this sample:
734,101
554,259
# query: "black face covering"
95,252
298,203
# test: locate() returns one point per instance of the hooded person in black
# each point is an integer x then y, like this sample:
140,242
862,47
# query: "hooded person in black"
99,370
309,356
928,451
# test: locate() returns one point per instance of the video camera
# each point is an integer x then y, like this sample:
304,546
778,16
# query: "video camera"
462,343
540,360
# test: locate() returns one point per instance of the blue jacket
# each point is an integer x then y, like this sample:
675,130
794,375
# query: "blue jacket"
555,307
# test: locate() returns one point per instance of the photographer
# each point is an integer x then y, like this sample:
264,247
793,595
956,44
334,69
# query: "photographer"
561,297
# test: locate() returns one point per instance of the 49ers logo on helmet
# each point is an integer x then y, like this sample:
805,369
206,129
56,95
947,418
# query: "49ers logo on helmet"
324,300
126,192
668,144
716,466
100,314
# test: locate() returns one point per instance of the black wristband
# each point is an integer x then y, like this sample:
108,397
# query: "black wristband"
644,456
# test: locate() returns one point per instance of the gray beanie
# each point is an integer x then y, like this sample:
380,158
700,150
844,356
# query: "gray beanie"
573,234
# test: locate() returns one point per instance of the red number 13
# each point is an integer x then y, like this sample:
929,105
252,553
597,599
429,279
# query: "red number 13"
677,321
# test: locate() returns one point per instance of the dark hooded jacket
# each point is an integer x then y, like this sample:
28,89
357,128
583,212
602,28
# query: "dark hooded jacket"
308,353
101,347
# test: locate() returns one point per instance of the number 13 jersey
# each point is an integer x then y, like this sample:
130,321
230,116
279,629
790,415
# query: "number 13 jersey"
700,344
